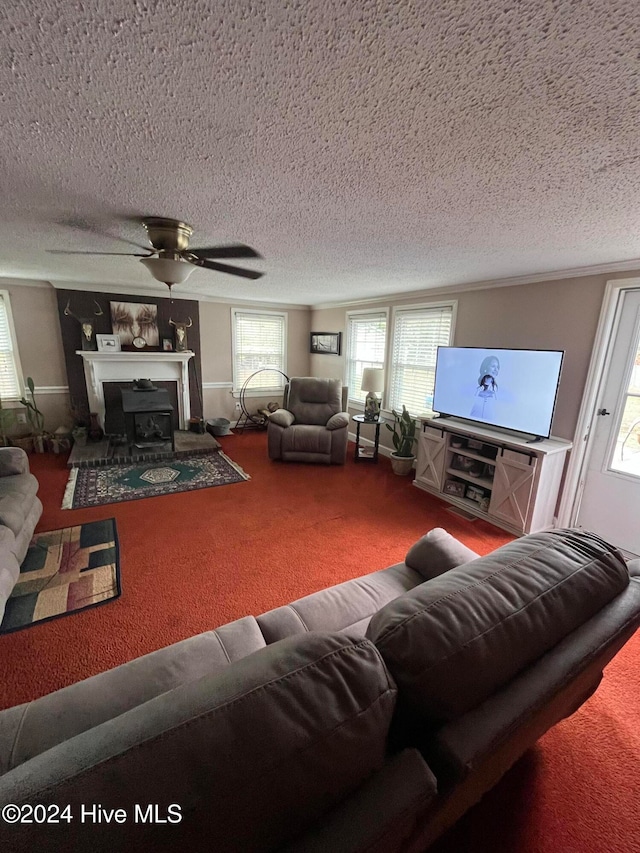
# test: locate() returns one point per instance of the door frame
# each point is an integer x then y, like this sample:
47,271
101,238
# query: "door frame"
598,366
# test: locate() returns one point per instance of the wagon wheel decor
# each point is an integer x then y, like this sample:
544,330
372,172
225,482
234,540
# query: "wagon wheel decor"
246,417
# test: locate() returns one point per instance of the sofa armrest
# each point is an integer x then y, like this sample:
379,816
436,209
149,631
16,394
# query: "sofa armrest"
13,460
282,418
338,421
505,725
634,567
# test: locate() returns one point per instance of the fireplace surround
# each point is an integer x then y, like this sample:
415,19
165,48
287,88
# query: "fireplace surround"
101,367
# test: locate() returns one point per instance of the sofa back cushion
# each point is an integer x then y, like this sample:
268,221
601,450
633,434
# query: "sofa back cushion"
314,401
253,755
452,641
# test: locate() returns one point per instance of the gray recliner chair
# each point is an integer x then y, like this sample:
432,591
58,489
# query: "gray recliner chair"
313,424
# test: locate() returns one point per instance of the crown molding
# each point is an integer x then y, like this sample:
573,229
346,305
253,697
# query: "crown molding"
180,293
22,282
575,272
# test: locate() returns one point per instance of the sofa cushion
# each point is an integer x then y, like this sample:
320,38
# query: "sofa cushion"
437,552
451,642
253,755
345,606
301,438
27,730
17,494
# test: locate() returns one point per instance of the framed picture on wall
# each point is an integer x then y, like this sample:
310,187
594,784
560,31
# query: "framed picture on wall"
325,343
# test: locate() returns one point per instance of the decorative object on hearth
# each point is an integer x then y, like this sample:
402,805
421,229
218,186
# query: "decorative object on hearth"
181,334
88,325
136,323
95,430
80,435
64,572
325,343
218,426
167,345
106,484
143,385
172,262
373,384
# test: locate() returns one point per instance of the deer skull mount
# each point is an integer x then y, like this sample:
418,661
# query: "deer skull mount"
88,326
181,334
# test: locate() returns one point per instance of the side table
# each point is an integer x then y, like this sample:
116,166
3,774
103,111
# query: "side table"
367,454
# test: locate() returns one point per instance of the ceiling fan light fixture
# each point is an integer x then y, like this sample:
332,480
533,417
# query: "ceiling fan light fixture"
168,270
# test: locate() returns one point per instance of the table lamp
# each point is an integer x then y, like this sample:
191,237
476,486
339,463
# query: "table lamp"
373,384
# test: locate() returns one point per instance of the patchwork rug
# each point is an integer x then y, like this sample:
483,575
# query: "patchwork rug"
114,483
64,572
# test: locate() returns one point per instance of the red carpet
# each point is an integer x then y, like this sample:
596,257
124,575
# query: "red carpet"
196,560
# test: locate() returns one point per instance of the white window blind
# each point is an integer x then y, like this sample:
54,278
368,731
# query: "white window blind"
366,340
9,383
259,341
417,333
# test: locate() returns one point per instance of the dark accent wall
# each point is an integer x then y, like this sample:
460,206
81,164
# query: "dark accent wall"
83,304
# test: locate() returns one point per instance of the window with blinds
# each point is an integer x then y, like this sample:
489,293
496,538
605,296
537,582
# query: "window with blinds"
259,341
417,333
9,382
366,341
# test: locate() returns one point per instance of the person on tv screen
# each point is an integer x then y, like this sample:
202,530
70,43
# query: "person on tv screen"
486,393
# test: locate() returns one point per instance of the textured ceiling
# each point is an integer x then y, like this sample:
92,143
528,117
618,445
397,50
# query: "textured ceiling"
364,148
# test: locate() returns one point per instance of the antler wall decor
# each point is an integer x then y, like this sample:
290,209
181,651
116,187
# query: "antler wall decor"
88,325
181,334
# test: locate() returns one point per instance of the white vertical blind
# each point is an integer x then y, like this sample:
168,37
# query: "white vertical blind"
9,383
417,333
259,341
366,340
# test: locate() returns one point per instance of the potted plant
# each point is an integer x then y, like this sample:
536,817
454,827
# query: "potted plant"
7,420
35,418
404,436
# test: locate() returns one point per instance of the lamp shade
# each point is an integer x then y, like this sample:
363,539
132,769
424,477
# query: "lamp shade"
372,379
168,270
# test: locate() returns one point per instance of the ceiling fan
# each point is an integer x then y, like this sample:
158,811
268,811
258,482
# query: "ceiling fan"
171,261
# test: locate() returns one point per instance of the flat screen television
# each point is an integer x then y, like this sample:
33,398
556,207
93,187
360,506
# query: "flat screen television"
514,389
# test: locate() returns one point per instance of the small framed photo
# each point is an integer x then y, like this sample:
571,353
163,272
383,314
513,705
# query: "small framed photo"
108,343
167,345
325,343
454,487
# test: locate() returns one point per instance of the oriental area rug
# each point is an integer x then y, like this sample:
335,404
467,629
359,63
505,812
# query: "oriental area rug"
63,572
107,484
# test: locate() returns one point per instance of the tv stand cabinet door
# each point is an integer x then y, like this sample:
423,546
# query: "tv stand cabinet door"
432,445
512,488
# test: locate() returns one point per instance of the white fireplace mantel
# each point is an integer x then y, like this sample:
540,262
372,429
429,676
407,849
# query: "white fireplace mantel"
100,367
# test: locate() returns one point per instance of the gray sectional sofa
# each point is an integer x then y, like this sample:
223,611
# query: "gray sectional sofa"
365,717
20,511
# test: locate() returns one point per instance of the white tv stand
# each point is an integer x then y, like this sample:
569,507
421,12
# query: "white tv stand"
515,481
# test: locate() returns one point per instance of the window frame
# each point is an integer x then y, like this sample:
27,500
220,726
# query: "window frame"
374,313
264,391
406,309
6,299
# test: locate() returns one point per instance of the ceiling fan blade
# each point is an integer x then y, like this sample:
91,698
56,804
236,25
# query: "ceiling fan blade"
234,250
123,254
212,265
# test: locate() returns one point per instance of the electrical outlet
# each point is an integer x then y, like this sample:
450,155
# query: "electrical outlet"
21,418
238,407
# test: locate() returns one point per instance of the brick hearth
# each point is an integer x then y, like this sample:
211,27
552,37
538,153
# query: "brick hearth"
105,453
